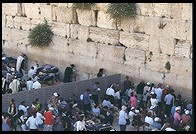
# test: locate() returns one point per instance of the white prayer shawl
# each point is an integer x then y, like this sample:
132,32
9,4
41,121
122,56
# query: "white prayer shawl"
18,63
14,85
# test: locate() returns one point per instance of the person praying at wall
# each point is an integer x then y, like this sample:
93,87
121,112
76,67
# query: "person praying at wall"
68,73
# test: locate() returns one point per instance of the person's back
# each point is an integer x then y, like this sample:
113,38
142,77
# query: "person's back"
68,74
6,123
29,84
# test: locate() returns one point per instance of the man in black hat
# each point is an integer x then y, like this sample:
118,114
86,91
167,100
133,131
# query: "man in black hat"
68,74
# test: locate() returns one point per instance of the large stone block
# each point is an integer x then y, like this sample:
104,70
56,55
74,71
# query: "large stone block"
181,66
157,62
62,4
145,9
167,45
103,35
59,29
138,24
46,12
126,25
184,30
6,34
9,22
22,23
19,36
10,9
176,10
170,29
74,30
101,6
151,26
86,17
183,49
59,44
32,10
154,44
83,49
111,53
134,40
161,9
104,21
35,22
134,57
187,12
69,4
65,15
3,20
83,33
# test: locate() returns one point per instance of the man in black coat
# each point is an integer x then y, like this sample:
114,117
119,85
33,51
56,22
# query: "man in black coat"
68,74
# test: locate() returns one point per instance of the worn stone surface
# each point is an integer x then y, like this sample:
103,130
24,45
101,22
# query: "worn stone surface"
59,44
126,25
19,36
32,10
134,40
138,25
22,23
59,29
176,10
103,35
3,20
86,17
167,45
187,11
154,44
9,22
10,8
74,30
183,49
6,34
83,33
161,9
110,53
104,21
145,9
46,12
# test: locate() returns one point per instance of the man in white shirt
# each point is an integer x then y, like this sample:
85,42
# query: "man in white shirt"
36,85
148,119
31,72
23,108
110,91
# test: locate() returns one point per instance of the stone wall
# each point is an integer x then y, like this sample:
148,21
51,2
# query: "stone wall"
139,48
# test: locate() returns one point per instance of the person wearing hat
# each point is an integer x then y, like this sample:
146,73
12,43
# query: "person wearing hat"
177,117
156,123
122,118
49,119
68,73
137,119
186,119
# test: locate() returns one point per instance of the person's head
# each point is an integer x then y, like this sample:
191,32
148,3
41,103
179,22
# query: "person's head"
127,77
123,108
81,117
178,109
55,94
157,119
132,94
72,65
51,109
32,67
88,90
22,102
187,112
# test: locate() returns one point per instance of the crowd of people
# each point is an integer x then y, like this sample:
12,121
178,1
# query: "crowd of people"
144,106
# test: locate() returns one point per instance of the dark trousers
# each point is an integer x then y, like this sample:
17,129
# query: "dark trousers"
87,107
168,110
95,98
123,127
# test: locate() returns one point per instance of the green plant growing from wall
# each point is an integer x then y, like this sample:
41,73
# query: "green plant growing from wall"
41,35
122,11
83,6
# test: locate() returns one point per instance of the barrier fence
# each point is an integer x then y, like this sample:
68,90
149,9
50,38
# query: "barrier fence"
65,90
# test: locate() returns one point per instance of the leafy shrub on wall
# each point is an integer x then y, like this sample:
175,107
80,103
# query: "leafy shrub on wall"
121,11
41,35
83,6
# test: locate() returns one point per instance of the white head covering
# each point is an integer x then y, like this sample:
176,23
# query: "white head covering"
177,108
148,83
187,112
156,119
55,94
137,111
124,108
132,108
152,93
51,108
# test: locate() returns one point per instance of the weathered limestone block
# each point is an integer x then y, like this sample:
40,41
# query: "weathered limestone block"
9,22
54,4
157,62
183,49
69,4
184,29
154,44
126,25
62,5
59,44
167,45
10,9
161,9
22,23
65,15
176,10
139,24
170,29
85,49
6,34
187,12
111,53
151,26
145,9
74,30
19,36
134,57
104,21
3,20
32,10
100,6
35,22
46,12
83,33
134,40
181,66
103,35
59,29
86,17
